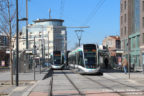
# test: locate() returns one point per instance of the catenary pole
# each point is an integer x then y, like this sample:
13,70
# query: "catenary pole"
17,45
27,24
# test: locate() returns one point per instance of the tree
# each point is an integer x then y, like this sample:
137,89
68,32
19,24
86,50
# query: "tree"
7,25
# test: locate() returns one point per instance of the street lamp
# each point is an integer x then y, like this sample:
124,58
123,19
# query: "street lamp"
17,37
34,53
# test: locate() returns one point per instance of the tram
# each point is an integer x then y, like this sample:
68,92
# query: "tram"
85,59
57,60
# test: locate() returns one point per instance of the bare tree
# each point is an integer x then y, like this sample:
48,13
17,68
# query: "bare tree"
7,25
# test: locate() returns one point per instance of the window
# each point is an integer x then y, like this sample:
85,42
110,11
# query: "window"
121,7
134,42
143,22
118,44
138,43
143,37
125,18
125,4
125,30
121,20
121,31
143,5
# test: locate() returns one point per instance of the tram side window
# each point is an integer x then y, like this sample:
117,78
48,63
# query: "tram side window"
80,59
69,60
73,59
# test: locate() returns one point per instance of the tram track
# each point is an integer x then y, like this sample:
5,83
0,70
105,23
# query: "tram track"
51,85
124,85
121,93
104,86
79,92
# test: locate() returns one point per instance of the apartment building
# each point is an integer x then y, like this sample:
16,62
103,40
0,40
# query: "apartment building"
131,31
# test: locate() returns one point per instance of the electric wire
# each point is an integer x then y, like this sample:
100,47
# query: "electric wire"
62,3
94,11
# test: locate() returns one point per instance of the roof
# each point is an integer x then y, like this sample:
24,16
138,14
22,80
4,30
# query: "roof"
115,37
44,20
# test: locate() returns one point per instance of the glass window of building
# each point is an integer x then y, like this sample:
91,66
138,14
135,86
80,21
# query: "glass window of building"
121,20
121,7
143,22
138,43
121,31
125,4
125,31
143,5
125,18
143,38
118,44
136,14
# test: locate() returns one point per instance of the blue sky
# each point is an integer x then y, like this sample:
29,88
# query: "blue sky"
103,21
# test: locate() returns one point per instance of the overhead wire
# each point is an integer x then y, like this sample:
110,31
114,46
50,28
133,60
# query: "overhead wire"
62,2
94,11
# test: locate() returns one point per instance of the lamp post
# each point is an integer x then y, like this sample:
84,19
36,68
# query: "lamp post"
27,24
128,45
34,53
17,41
17,49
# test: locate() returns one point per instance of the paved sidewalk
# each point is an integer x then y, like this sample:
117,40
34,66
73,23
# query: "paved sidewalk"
135,77
26,80
41,88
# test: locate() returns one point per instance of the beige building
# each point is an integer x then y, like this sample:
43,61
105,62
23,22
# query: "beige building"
114,45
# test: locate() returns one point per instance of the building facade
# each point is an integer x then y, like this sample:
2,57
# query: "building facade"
4,58
114,45
142,33
130,31
49,34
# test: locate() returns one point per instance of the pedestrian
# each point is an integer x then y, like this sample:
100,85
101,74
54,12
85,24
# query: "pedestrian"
125,64
120,65
106,63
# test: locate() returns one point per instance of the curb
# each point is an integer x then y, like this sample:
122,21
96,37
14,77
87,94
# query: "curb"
30,89
27,93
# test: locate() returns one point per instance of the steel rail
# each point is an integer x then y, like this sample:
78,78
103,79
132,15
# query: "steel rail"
103,85
80,93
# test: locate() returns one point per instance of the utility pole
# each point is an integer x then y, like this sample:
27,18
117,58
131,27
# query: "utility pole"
128,57
34,53
42,50
48,44
17,45
79,35
27,24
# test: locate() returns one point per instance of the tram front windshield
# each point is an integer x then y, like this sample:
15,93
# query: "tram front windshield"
57,59
90,57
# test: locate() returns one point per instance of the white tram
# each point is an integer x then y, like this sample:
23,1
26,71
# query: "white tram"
57,60
85,59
